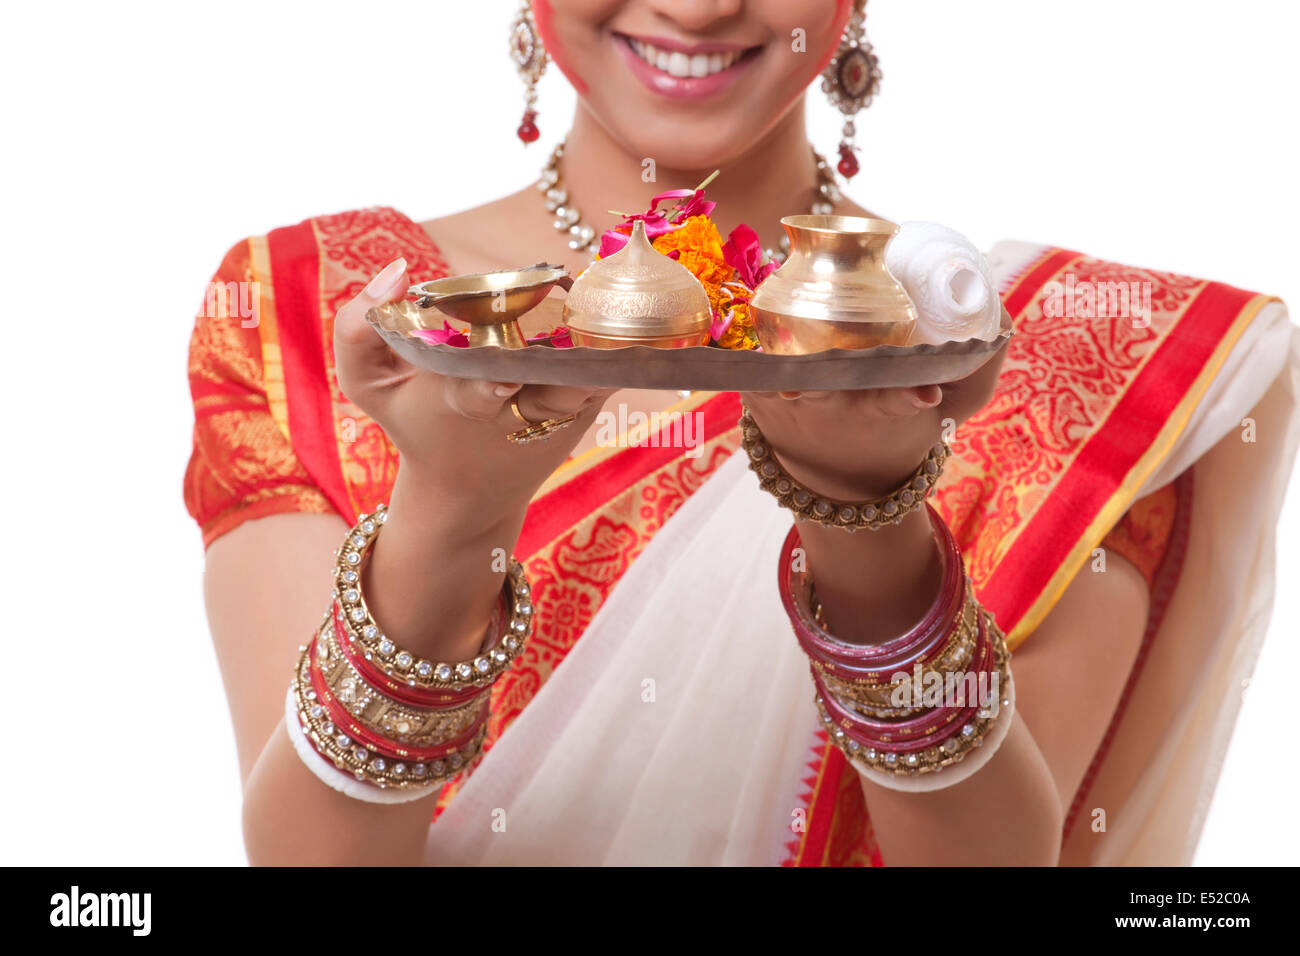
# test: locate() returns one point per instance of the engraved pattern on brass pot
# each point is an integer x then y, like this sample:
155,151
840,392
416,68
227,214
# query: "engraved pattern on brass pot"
637,296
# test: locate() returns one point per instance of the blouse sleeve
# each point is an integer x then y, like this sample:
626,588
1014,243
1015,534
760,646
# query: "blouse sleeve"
241,465
1142,534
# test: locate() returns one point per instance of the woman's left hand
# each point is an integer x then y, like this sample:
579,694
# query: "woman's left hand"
862,444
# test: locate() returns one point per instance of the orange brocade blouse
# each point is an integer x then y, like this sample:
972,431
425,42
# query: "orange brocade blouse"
1042,477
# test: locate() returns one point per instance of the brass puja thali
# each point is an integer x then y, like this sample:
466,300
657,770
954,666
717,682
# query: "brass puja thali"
832,317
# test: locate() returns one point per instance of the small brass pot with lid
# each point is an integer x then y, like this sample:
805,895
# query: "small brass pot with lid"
637,296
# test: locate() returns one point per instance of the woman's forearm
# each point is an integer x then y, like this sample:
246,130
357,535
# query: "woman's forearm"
431,582
1006,814
291,818
436,569
875,585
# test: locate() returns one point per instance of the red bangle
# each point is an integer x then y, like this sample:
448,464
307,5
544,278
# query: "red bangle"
354,654
900,746
879,662
389,748
359,696
914,733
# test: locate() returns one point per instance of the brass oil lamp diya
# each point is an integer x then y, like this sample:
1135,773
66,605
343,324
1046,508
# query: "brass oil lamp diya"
492,302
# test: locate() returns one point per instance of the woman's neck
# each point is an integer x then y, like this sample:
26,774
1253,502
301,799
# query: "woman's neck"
774,178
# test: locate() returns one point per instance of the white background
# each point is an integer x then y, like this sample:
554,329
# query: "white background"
143,139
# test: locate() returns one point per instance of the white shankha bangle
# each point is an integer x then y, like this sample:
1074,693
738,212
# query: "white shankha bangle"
340,780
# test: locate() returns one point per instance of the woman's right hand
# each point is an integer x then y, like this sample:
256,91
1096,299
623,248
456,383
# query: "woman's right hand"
451,432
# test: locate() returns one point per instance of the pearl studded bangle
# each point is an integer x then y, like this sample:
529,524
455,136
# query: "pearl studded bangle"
382,766
398,720
390,720
911,742
391,683
344,783
418,672
935,756
848,516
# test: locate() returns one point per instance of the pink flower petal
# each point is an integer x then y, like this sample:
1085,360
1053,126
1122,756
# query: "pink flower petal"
558,337
671,194
744,252
610,242
443,336
720,325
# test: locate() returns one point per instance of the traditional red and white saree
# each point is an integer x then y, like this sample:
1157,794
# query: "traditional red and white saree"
663,712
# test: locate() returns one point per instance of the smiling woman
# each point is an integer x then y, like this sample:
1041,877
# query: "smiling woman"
590,649
648,76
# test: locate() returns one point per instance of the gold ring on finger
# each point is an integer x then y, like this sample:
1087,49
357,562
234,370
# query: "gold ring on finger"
536,431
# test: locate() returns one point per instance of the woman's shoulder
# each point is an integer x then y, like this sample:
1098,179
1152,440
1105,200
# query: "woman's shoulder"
350,246
297,271
354,244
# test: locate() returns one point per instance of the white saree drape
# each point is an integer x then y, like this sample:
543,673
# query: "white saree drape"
681,726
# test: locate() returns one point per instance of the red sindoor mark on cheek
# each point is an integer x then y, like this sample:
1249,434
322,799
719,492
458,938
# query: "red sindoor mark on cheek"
542,16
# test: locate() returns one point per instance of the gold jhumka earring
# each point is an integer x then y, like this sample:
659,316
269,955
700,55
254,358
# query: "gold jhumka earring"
530,58
850,81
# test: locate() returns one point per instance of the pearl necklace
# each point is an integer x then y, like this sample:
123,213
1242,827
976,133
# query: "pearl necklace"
585,238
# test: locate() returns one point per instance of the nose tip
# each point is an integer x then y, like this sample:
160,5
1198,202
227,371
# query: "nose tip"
695,16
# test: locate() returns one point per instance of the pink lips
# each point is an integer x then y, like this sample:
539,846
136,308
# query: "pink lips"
684,87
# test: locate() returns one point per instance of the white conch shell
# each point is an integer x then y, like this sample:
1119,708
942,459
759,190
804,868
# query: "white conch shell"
947,280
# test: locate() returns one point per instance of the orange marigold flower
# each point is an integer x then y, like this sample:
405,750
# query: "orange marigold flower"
699,247
740,334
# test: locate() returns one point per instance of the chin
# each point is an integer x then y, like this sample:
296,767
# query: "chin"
677,149
704,141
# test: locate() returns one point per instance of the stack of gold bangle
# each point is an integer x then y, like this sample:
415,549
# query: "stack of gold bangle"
907,708
386,716
881,698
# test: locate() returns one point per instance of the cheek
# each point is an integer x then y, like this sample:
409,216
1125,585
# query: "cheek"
822,25
843,9
544,16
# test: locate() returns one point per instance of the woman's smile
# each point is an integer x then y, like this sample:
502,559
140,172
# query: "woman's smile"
683,70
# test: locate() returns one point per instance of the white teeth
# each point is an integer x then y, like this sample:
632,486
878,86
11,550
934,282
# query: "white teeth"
678,64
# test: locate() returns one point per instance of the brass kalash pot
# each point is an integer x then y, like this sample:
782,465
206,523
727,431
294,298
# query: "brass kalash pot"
834,291
637,296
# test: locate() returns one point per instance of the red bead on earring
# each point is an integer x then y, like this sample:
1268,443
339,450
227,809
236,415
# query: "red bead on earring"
527,131
848,164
